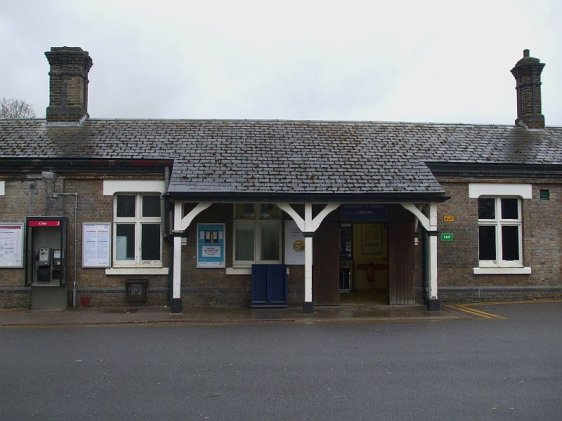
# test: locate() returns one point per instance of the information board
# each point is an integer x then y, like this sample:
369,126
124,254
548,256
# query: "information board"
96,244
210,246
11,245
294,244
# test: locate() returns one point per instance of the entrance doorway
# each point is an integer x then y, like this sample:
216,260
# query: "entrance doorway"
364,270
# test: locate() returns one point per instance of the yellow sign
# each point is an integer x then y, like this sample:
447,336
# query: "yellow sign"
448,218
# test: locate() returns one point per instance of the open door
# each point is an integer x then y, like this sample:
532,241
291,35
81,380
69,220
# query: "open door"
325,282
370,259
402,257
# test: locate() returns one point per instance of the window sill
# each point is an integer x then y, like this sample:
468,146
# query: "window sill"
136,271
238,271
502,271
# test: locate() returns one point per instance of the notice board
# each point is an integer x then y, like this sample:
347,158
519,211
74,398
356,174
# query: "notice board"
294,244
96,244
11,245
210,246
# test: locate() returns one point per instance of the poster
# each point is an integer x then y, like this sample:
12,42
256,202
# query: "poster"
210,246
294,244
11,245
96,244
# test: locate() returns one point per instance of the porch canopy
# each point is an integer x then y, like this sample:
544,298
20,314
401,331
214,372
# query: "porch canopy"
305,165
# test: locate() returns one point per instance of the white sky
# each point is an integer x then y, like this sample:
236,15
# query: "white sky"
392,60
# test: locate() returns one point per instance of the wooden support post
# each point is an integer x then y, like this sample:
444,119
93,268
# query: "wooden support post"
181,223
430,225
308,225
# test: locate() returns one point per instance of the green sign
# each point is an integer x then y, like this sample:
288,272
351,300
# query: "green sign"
447,236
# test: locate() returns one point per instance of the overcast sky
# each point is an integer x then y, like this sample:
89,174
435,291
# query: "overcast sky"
394,60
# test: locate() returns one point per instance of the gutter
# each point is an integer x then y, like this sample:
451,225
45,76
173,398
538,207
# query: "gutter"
473,169
229,197
91,165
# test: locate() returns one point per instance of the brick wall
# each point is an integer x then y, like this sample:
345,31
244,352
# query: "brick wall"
213,287
542,247
30,195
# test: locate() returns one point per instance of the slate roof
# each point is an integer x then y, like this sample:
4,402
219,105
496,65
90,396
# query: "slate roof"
287,157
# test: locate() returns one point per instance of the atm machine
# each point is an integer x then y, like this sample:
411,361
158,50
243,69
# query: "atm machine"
46,262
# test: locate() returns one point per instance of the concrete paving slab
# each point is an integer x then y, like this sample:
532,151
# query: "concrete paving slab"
222,316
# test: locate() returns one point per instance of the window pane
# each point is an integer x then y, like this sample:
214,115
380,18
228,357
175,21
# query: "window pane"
150,242
125,242
244,211
270,242
244,242
125,206
510,210
487,243
269,211
486,208
510,243
150,206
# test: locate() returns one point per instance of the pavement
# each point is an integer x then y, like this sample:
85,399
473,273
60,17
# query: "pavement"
139,315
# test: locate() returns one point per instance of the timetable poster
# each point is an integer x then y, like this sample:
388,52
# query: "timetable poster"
96,245
11,245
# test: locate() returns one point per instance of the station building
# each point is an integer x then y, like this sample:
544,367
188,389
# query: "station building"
273,213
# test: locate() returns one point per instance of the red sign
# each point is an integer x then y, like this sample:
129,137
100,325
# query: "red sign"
43,223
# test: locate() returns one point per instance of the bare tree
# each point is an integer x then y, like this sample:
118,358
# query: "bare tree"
15,108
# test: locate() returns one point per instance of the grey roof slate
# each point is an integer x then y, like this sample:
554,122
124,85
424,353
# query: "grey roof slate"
277,156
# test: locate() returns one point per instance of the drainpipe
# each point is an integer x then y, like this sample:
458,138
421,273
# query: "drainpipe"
54,196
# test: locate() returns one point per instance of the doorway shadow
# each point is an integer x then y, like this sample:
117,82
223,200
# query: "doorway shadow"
372,296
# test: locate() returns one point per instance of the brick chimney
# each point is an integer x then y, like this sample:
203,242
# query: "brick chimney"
527,73
68,85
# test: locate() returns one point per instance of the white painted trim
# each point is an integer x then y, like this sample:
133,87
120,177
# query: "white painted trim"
176,279
433,216
181,224
502,271
293,214
308,224
136,271
475,190
2,188
110,187
315,223
424,220
307,269
429,223
433,267
238,271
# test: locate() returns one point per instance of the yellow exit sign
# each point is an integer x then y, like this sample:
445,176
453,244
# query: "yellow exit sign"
448,218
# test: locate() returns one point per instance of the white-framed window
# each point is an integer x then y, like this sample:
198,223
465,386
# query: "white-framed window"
257,234
500,234
137,238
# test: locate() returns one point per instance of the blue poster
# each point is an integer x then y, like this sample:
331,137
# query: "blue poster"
210,246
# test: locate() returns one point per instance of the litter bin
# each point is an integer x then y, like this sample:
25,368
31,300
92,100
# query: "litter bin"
85,301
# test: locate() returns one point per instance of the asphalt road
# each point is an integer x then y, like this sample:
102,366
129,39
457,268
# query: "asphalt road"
457,369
